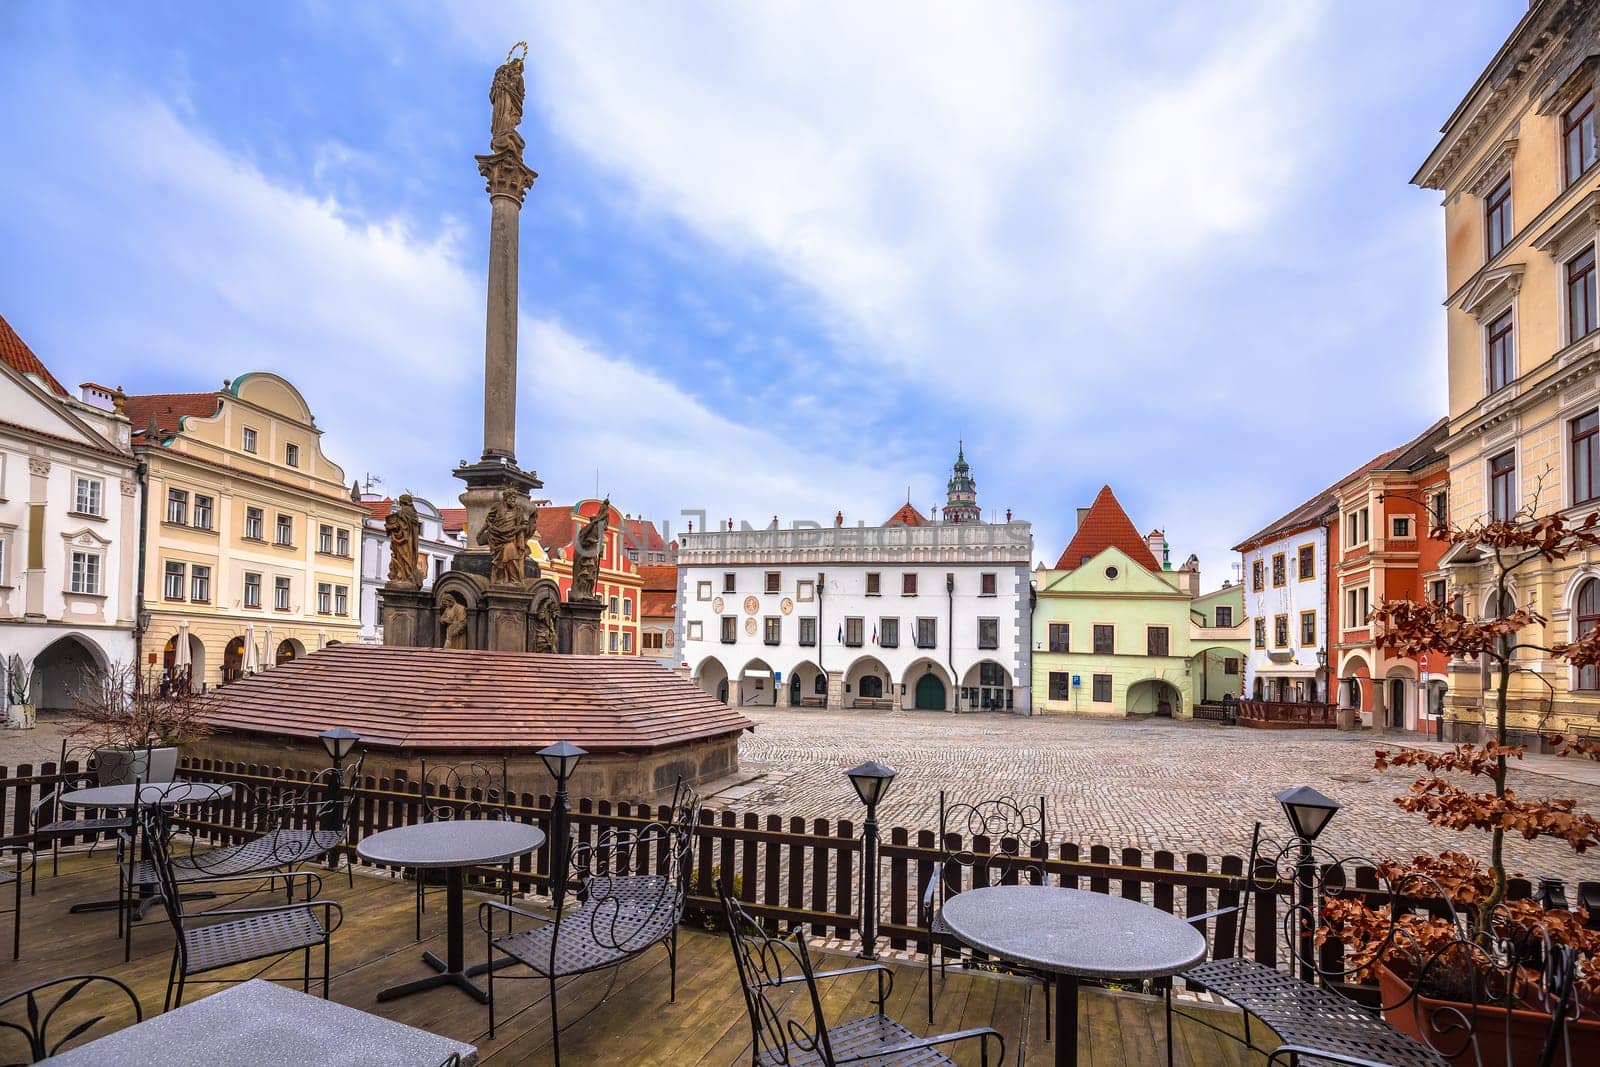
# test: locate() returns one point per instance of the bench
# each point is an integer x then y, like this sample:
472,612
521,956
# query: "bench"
874,703
813,702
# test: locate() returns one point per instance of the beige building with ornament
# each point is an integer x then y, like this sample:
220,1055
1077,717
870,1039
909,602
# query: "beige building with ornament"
1517,167
252,543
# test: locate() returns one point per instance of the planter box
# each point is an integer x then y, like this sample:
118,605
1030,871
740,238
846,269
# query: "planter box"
21,717
1418,1016
124,766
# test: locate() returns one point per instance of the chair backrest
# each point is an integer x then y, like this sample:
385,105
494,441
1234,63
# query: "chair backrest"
76,770
45,1018
468,790
1014,830
155,829
764,963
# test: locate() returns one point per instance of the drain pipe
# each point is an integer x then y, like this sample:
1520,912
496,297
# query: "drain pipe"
821,637
950,633
141,618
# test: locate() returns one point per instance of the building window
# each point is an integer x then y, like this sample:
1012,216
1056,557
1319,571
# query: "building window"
253,520
1105,639
1588,616
325,539
1060,637
774,581
627,642
1501,350
87,495
693,630
1357,605
1585,458
1577,137
988,633
1439,592
805,590
1306,562
324,598
808,630
1278,570
341,542
1102,689
633,555
1280,631
772,630
852,632
1060,685
927,633
702,590
280,594
177,506
252,590
291,455
1258,575
341,600
1224,616
908,585
730,629
202,512
627,607
889,632
874,583
249,441
1580,295
1400,526
1497,217
1308,628
1503,486
730,582
651,641
1357,528
172,581
611,605
200,583
986,584
283,533
1441,508
611,642
1230,665
86,573
1155,640
1261,633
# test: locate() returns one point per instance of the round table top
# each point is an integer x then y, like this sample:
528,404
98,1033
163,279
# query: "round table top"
167,794
1069,931
452,843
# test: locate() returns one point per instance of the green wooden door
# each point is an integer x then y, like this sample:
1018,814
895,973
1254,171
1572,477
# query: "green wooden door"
930,693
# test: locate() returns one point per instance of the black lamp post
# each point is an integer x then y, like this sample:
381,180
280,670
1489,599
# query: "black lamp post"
338,741
560,759
871,780
1309,813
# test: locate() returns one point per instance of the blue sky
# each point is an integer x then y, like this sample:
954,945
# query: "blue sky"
780,256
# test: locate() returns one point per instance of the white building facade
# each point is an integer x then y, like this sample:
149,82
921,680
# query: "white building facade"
1285,580
934,617
69,525
437,547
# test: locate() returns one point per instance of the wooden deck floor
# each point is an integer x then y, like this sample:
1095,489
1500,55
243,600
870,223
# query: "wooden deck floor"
635,1025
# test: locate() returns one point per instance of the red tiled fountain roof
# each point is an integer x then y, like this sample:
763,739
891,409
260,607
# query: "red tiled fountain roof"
450,699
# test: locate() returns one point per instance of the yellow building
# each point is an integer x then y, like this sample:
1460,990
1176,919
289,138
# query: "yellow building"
252,543
1517,167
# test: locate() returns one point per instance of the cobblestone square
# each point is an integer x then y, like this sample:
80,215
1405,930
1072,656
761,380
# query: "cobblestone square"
1183,786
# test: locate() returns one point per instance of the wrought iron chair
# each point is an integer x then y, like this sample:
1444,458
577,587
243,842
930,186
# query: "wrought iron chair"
472,790
767,964
14,878
1013,830
49,823
209,940
632,885
55,1004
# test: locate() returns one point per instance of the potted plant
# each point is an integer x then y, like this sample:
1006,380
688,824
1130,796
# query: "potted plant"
137,725
1466,973
20,715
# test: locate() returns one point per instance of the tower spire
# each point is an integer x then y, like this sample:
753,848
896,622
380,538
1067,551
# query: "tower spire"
961,491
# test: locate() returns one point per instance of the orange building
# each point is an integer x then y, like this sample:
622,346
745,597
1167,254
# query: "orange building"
1382,550
620,586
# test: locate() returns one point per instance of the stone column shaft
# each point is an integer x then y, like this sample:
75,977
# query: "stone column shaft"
500,335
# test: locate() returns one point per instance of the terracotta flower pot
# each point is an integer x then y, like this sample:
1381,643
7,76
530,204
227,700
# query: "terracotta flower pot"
1429,1021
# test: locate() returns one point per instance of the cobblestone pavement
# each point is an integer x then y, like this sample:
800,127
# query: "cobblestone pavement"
1182,786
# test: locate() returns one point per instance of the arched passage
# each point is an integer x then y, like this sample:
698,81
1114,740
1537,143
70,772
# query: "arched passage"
712,676
1216,672
233,660
65,666
1399,697
1154,696
807,685
287,651
986,687
755,685
1355,683
194,671
867,683
926,686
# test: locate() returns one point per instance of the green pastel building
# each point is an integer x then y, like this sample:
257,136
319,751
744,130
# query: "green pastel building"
1118,631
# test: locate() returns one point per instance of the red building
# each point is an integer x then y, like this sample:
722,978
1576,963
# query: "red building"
620,587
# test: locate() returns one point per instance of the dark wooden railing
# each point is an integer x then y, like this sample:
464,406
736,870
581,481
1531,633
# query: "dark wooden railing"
1287,713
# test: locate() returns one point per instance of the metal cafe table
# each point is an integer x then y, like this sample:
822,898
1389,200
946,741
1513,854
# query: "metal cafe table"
259,1022
453,845
173,794
1071,934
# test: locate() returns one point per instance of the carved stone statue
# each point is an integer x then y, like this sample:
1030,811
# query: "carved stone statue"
545,626
453,619
589,546
505,95
506,530
405,532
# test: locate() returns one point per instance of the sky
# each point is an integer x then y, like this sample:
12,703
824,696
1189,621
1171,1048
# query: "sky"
781,257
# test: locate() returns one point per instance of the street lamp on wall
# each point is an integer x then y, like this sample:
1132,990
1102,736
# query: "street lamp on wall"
871,781
561,760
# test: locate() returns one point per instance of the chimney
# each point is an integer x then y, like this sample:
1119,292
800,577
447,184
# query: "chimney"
1153,541
1081,513
1191,574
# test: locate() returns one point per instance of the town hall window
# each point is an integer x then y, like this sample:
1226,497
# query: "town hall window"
988,633
808,630
774,580
852,632
927,633
729,580
986,584
730,629
1502,351
908,585
889,632
772,630
874,583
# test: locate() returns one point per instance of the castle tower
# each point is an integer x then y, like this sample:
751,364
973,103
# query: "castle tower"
961,500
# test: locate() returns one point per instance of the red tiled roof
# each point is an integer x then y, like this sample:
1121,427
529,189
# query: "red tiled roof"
450,699
1105,526
641,535
907,516
15,351
378,509
657,603
1315,511
168,408
555,526
659,577
454,519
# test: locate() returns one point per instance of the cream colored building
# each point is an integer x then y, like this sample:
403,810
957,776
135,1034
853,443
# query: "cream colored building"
253,544
1517,166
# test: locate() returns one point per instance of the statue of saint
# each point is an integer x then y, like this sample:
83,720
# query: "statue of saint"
589,545
405,532
545,626
453,618
506,530
505,95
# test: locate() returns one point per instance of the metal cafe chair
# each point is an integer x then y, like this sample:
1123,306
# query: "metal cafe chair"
14,879
35,1017
49,823
767,964
471,790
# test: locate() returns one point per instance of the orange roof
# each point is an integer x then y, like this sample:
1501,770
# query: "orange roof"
167,408
907,516
657,604
378,509
473,700
659,576
454,519
641,535
1105,526
555,526
15,351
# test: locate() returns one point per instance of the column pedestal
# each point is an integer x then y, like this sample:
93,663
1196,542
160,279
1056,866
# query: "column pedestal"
580,627
510,611
407,617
